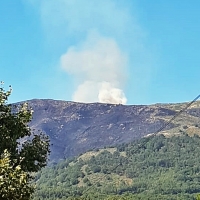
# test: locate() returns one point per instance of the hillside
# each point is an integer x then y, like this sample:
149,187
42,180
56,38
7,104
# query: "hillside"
75,128
156,167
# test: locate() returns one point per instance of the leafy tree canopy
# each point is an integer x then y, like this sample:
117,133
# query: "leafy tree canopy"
28,149
13,180
22,151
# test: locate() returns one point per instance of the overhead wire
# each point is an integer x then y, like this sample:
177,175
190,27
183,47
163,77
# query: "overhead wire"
176,115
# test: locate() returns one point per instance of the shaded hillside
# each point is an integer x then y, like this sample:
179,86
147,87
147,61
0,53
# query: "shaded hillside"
154,168
75,128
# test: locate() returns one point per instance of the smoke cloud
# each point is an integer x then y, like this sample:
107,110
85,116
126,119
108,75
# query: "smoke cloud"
99,68
101,41
110,94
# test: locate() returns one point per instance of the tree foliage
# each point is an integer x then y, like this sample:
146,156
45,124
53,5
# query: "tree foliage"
152,168
23,151
13,180
30,150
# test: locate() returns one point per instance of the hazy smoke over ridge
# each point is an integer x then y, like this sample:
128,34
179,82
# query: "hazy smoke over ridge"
99,66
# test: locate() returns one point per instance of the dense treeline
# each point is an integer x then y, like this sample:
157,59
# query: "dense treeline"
153,168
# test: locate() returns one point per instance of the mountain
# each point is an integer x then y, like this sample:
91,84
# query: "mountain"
75,128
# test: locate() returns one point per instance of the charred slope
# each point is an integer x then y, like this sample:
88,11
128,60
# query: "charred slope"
74,128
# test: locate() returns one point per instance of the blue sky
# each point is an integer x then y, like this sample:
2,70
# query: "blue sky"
133,51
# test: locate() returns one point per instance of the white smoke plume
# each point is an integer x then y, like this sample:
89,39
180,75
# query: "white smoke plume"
99,67
110,94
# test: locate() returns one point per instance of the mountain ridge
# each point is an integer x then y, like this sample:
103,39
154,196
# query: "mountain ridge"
75,128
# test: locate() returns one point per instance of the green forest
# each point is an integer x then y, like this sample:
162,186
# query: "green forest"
155,167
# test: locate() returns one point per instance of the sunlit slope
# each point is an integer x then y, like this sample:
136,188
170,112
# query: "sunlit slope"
156,167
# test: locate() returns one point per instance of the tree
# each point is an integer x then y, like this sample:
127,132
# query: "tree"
198,197
26,149
13,180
